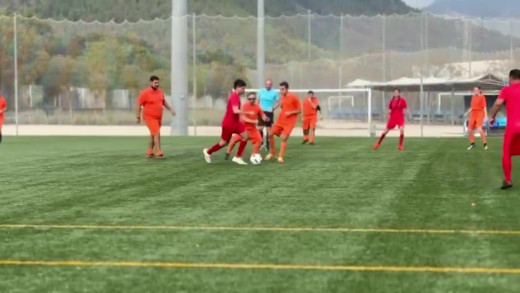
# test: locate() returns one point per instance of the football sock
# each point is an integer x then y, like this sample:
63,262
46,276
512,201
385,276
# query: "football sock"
507,166
381,138
257,147
282,149
401,139
272,146
214,148
241,148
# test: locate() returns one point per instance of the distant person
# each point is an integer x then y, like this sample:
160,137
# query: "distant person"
3,108
269,100
477,114
232,124
286,122
397,108
152,101
311,106
510,96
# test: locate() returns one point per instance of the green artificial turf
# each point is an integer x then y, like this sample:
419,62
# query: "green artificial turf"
435,184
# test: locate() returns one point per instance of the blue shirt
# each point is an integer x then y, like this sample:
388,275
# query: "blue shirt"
268,99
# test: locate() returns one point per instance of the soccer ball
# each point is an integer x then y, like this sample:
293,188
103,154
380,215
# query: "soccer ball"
256,159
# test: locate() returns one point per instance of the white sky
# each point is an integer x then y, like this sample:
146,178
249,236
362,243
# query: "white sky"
418,3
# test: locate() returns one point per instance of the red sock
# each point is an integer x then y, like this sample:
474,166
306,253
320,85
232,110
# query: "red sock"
241,148
401,139
214,148
381,138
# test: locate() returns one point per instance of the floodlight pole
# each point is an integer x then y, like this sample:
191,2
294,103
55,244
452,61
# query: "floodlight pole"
179,67
15,45
260,43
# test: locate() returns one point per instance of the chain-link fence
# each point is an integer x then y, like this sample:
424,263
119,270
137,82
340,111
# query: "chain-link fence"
83,73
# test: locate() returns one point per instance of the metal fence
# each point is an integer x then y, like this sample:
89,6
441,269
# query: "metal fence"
91,73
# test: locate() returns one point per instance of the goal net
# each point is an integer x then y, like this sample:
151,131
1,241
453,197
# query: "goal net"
347,111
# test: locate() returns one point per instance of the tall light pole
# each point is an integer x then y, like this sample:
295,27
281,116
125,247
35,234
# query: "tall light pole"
179,67
260,43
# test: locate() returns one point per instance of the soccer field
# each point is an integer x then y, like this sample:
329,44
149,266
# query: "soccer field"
93,215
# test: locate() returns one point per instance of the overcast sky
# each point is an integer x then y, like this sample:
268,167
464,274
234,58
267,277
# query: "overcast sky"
419,3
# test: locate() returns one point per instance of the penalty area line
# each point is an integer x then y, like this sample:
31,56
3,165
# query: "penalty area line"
354,268
259,229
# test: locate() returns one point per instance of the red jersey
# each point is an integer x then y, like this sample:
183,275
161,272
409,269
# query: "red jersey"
255,108
152,102
511,96
232,120
290,103
397,106
3,105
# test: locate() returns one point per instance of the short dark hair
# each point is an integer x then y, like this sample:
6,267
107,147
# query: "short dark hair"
239,83
284,84
397,89
251,94
514,74
154,78
310,92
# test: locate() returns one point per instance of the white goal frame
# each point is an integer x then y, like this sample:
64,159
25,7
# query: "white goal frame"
339,93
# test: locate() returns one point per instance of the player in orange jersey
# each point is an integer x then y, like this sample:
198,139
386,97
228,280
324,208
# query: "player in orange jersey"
311,106
152,101
478,114
250,122
286,122
3,108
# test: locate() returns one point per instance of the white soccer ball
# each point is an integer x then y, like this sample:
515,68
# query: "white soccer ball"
256,159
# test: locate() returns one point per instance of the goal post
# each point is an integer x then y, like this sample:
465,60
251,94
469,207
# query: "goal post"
345,109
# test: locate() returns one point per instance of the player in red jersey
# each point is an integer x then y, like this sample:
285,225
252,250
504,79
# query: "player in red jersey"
510,96
397,109
3,108
231,124
251,122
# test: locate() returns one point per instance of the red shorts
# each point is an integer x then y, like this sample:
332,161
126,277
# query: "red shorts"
476,120
395,121
282,129
309,123
227,132
511,145
153,124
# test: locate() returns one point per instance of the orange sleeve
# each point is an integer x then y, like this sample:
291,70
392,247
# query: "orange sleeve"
297,104
142,99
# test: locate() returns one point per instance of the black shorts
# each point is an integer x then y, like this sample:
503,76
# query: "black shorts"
269,115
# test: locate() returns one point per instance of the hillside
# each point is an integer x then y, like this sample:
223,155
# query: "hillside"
134,9
479,8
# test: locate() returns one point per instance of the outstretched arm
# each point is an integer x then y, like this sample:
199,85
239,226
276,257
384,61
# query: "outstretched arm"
496,107
168,107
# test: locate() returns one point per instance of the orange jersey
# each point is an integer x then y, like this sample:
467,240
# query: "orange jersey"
152,102
255,108
309,107
478,103
290,103
3,105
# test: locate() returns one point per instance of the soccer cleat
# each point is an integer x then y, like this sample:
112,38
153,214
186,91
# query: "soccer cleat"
506,185
227,156
376,146
207,156
312,143
150,156
485,147
268,157
160,156
401,148
239,161
280,160
305,141
471,146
